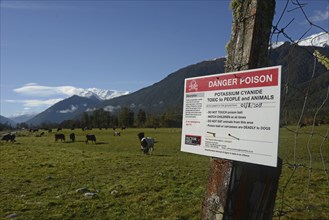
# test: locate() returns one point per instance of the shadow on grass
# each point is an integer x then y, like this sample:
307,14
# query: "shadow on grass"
158,155
101,142
97,143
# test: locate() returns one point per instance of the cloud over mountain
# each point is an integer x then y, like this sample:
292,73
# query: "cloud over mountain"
35,102
33,89
73,108
45,96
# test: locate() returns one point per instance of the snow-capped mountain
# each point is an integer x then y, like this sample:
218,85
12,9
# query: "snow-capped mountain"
102,94
82,100
64,110
315,40
276,44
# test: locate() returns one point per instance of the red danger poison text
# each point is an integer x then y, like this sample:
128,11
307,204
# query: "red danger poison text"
256,78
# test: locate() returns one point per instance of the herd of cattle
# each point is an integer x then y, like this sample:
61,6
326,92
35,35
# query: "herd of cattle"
89,137
147,143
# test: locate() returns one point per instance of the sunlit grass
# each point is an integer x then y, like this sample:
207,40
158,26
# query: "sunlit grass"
304,185
39,177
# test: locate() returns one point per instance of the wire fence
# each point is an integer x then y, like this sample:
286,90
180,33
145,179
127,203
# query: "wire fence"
304,147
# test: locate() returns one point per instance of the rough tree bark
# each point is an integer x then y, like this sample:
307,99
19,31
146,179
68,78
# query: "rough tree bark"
247,49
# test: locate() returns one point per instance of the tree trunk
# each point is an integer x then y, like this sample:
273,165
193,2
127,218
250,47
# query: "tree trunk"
247,49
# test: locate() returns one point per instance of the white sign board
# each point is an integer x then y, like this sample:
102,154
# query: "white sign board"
234,115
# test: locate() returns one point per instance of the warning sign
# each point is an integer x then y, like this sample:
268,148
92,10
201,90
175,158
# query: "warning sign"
233,116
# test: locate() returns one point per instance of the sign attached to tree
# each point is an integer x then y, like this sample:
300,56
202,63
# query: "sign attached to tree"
234,115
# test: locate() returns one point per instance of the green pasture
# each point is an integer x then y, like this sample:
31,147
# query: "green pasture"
304,183
43,179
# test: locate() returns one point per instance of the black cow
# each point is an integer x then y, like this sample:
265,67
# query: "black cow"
90,137
72,137
9,137
59,137
147,143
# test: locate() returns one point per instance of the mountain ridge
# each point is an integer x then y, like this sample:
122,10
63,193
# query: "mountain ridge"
297,64
102,94
64,110
4,120
316,40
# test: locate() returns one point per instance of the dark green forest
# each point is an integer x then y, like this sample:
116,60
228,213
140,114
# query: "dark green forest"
125,118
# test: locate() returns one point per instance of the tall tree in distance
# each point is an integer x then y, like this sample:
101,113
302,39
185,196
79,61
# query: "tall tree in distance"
126,117
141,118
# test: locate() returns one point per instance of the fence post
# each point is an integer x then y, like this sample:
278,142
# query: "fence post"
247,49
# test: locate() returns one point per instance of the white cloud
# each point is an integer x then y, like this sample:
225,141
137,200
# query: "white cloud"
31,5
90,109
25,112
111,108
320,15
33,89
20,5
35,102
70,110
46,96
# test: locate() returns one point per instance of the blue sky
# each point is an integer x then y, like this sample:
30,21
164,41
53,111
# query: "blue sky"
51,49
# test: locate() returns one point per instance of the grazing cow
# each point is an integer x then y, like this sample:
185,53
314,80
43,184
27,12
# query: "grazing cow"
9,137
59,129
147,143
59,137
90,137
40,135
116,133
72,137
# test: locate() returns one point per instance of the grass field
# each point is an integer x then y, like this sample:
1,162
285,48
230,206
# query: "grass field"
44,179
